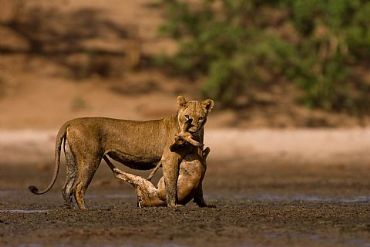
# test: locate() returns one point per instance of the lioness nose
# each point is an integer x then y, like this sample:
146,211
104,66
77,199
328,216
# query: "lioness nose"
189,121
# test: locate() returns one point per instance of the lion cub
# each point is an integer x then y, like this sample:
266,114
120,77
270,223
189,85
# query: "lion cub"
191,174
180,140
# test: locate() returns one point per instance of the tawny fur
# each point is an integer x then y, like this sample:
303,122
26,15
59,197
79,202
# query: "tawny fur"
191,174
179,142
136,144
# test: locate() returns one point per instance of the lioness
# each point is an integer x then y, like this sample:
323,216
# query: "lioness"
191,174
136,144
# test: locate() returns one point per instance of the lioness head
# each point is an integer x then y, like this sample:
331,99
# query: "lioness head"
192,115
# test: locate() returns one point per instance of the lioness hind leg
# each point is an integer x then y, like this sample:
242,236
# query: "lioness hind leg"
79,194
86,171
71,170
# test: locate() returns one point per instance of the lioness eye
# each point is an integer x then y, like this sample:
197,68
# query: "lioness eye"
187,117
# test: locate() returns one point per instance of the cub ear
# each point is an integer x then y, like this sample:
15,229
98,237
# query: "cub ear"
205,152
181,101
208,104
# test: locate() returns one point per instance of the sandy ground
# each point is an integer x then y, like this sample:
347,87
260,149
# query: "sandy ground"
271,188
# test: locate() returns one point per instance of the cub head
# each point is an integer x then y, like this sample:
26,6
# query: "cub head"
192,115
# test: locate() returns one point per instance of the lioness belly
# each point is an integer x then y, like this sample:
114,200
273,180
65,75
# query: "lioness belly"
134,162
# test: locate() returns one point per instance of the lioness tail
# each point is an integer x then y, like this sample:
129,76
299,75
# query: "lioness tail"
59,140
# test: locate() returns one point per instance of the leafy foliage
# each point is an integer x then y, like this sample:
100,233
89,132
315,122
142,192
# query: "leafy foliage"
241,45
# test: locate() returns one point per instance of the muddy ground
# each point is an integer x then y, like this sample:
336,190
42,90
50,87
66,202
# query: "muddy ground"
258,203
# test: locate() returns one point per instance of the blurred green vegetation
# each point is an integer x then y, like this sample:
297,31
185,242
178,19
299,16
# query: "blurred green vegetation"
320,47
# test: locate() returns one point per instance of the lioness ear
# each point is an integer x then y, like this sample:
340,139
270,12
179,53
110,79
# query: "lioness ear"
208,104
181,101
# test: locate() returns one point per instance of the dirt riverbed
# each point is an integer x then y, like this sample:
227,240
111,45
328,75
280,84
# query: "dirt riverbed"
270,188
258,203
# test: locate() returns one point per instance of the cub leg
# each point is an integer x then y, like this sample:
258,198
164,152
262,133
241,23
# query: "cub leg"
198,197
86,171
147,193
181,139
70,176
154,171
189,138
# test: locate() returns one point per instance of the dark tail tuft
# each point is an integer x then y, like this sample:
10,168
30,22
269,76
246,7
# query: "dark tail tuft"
33,189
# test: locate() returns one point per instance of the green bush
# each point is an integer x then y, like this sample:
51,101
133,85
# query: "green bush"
241,46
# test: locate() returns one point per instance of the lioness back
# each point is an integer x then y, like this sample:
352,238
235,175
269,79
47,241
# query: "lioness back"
143,140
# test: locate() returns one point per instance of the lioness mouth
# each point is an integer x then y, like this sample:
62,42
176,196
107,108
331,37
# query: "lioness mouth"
193,131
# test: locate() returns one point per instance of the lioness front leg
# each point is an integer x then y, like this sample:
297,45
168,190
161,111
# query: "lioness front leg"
170,167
